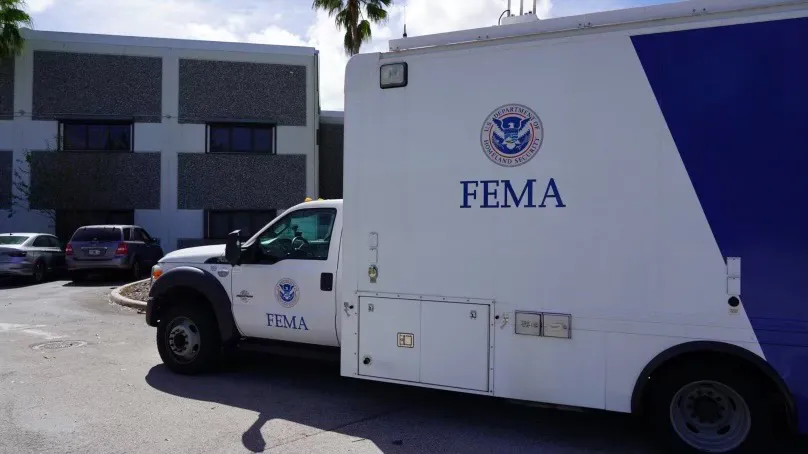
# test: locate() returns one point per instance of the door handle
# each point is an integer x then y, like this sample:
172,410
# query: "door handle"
326,282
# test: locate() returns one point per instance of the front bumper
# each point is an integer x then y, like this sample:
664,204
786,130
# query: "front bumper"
16,269
117,263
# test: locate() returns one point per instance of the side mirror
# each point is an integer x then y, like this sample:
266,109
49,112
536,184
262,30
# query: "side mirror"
232,251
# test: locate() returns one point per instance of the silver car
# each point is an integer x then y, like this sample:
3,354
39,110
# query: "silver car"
33,255
127,248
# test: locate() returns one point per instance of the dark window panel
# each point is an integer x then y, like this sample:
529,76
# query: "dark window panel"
75,137
263,140
219,139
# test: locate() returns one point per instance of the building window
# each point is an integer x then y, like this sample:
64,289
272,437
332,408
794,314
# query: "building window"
96,136
241,138
219,223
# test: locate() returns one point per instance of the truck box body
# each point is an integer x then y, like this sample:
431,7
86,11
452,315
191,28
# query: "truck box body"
549,213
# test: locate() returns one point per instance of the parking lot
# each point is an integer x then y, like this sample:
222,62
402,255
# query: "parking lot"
80,374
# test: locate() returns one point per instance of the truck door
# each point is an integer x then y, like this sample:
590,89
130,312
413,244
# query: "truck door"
284,288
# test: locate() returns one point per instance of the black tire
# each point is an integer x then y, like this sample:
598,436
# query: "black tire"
136,271
746,383
40,274
202,322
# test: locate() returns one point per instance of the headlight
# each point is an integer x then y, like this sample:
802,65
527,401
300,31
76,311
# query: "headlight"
393,75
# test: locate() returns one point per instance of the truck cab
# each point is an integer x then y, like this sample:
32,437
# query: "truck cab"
278,285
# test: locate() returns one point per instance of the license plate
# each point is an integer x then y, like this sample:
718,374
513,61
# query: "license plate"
94,252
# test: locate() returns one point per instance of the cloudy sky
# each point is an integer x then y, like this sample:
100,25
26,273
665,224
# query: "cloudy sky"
286,22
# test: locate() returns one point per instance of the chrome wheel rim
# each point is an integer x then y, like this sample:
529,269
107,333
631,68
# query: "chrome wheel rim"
183,339
710,416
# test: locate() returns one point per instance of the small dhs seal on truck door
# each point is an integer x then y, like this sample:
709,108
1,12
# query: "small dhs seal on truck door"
511,135
287,293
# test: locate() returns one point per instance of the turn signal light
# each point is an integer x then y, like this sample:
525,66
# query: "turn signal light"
156,272
123,249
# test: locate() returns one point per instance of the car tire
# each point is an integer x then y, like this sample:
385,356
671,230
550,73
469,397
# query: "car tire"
40,273
188,339
136,270
712,407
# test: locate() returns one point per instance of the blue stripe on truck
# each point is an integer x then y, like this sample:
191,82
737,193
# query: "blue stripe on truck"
735,99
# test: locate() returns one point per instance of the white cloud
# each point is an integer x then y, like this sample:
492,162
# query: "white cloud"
288,22
36,6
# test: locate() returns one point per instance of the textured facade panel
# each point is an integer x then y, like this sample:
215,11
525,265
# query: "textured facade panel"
221,90
6,171
97,86
87,181
331,158
6,88
240,182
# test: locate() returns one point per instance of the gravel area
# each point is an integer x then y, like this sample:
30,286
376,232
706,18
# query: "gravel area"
137,292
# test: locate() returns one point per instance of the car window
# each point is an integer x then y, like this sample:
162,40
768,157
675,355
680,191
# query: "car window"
97,234
146,237
13,239
301,235
136,236
127,234
41,241
54,242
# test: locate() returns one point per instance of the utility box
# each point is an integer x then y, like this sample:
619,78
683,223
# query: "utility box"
443,343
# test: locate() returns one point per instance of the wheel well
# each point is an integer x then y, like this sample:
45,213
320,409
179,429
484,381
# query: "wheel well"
177,295
744,361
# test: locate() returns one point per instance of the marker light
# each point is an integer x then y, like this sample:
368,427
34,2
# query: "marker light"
393,75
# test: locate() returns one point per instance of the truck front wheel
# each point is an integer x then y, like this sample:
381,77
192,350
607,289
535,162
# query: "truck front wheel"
188,339
715,408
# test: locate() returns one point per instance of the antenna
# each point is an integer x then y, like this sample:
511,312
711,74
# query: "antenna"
405,20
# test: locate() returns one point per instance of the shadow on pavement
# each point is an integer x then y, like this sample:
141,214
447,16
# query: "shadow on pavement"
14,282
396,418
99,280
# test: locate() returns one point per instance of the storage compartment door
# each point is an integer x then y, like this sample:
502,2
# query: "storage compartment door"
455,345
389,338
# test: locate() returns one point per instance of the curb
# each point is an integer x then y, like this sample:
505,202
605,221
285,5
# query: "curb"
117,298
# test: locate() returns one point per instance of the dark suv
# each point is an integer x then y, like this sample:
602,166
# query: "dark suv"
111,248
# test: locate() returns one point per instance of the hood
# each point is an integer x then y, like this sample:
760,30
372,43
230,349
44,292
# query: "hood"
198,254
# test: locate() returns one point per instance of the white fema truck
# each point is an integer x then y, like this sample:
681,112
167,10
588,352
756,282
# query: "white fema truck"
604,211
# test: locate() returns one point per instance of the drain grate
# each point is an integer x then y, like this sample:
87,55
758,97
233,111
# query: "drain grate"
58,345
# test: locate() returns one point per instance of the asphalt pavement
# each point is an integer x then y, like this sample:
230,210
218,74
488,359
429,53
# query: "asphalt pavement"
81,374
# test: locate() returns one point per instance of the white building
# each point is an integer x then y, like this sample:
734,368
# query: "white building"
189,139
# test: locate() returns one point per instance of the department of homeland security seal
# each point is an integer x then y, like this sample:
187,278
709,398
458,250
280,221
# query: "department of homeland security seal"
286,292
512,135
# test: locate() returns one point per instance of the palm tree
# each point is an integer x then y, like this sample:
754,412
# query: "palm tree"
355,17
12,17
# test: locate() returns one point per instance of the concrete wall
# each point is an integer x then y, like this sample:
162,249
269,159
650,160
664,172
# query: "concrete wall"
228,181
212,90
82,85
170,87
92,181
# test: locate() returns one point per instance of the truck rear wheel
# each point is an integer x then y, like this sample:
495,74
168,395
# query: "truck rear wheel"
713,408
188,339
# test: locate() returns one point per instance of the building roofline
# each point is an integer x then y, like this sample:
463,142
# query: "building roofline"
172,43
332,116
